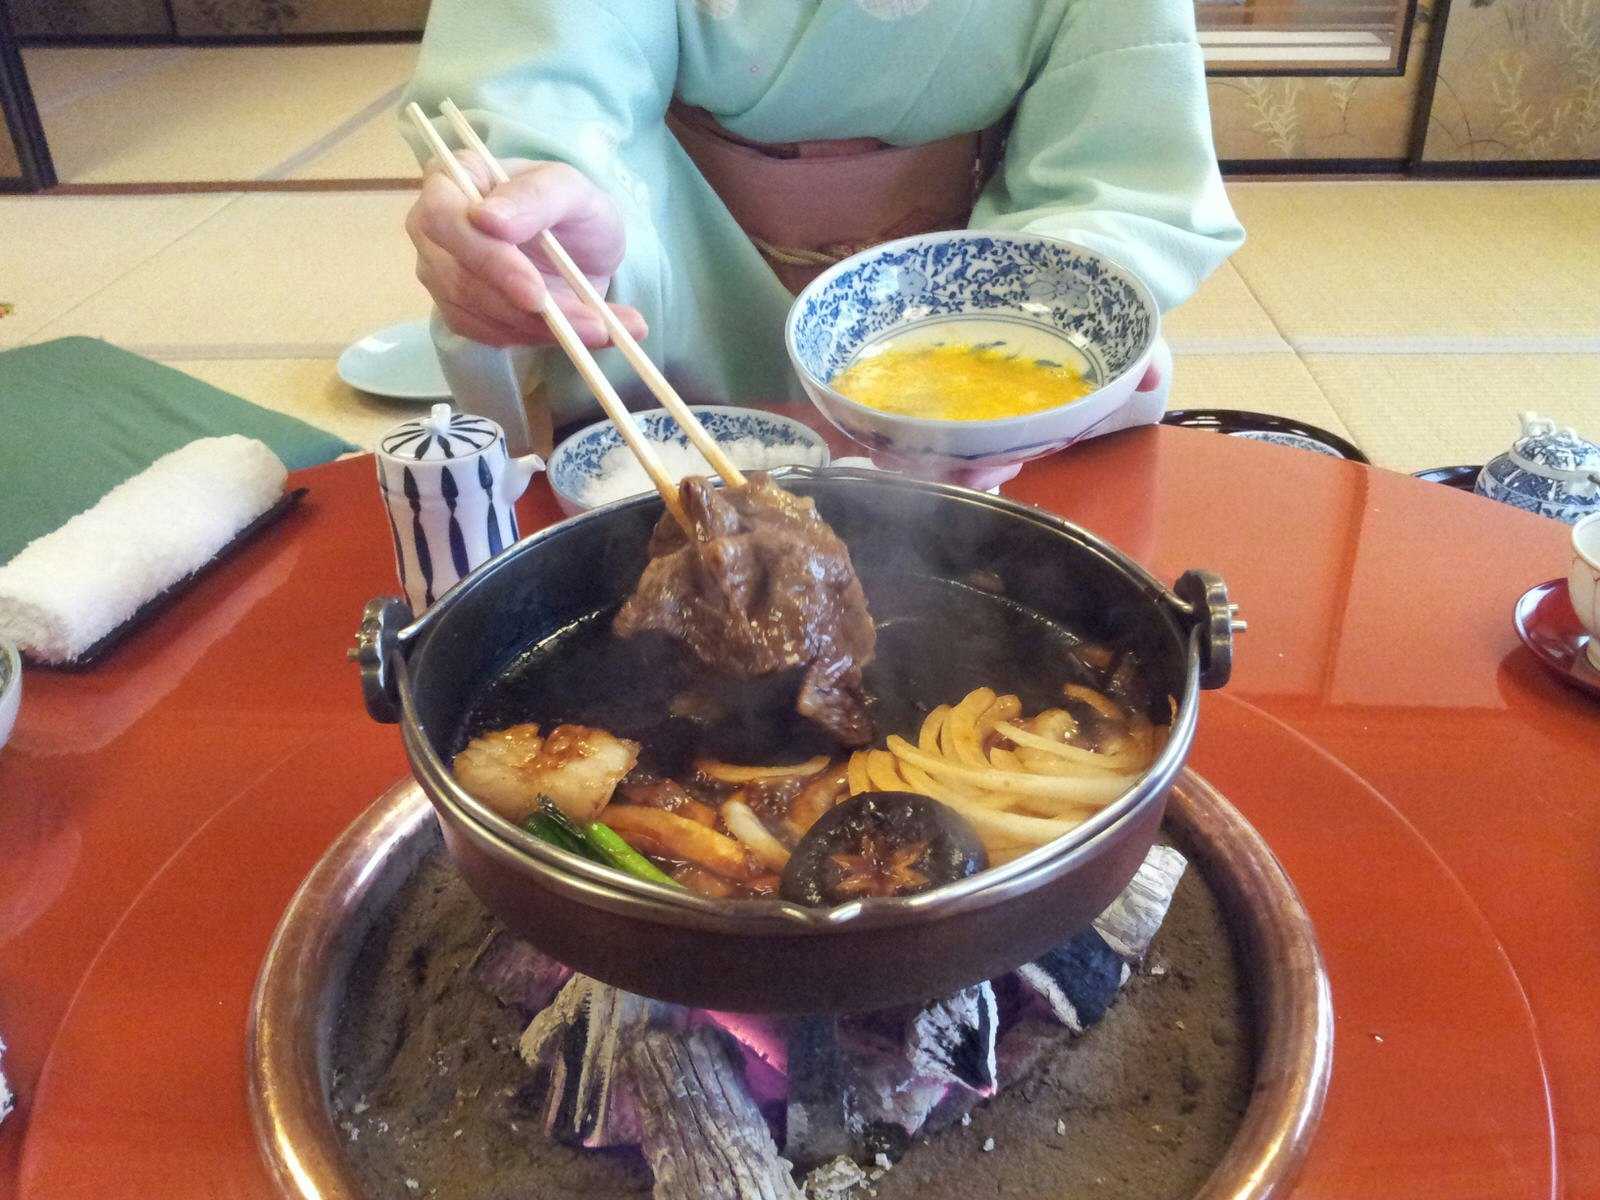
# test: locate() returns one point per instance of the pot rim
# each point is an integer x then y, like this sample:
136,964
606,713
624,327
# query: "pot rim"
613,891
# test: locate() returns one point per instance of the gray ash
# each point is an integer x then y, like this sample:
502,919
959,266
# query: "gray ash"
436,1101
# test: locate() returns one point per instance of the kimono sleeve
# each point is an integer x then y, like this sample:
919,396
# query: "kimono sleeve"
1111,148
583,82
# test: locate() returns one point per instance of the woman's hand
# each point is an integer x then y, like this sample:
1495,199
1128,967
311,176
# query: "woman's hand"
1154,374
482,263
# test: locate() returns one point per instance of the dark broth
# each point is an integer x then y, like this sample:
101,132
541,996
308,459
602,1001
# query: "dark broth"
937,641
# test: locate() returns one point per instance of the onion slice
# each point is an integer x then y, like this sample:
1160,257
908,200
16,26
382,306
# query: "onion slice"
743,823
1098,701
732,773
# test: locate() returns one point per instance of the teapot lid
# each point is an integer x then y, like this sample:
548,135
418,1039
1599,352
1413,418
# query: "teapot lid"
440,436
1546,448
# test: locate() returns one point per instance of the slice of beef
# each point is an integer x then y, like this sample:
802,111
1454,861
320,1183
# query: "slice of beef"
763,586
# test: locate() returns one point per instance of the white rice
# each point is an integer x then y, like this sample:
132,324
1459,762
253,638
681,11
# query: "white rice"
620,475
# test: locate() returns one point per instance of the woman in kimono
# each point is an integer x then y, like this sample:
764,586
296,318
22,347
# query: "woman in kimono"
702,159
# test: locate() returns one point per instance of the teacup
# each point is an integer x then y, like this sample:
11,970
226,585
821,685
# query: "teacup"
1583,581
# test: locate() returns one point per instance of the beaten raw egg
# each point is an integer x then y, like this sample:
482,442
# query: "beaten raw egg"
959,382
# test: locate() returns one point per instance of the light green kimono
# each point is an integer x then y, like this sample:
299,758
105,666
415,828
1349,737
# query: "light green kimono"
1110,146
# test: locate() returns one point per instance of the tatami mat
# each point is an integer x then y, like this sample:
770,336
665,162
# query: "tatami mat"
373,150
306,388
274,275
1223,317
1276,384
1413,412
61,75
227,113
57,251
1431,267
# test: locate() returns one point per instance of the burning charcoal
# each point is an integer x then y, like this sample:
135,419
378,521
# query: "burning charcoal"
700,1132
952,1040
1021,1049
816,1129
888,1103
516,973
578,1040
1078,979
766,1063
1131,921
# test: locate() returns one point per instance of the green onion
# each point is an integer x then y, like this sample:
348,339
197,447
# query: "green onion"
613,851
594,840
550,812
558,836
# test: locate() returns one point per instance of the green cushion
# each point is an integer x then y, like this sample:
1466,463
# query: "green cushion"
78,416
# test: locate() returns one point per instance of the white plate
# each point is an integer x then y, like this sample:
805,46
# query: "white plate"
398,362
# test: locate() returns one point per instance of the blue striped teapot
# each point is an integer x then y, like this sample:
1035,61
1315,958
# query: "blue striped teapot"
1549,470
450,488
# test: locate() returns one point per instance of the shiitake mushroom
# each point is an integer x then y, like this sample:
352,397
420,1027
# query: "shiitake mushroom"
881,844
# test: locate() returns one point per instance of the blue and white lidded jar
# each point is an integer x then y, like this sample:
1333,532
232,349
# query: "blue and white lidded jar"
450,487
1549,470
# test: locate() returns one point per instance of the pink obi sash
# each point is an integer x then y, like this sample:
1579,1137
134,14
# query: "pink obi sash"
806,205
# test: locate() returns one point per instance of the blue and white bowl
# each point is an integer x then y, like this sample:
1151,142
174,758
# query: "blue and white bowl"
1048,298
577,467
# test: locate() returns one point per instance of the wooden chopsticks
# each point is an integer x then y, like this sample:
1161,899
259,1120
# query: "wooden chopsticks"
573,346
569,341
648,371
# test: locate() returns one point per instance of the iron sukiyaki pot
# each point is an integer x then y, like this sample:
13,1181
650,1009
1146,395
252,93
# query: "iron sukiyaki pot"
690,835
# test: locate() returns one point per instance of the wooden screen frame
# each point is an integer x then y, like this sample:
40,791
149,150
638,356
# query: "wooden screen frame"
1269,14
21,118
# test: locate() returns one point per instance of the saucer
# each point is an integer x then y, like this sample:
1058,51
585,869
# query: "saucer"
1548,626
1264,427
398,362
1462,478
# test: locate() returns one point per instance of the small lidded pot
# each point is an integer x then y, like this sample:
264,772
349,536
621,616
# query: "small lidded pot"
1549,470
450,488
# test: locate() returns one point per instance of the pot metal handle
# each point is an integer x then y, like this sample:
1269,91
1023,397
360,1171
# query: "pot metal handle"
377,642
1204,599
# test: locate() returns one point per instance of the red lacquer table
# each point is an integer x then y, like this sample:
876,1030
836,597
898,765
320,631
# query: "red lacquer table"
1432,791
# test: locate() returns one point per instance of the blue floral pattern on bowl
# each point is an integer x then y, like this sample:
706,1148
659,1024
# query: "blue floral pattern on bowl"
576,463
1298,441
1102,311
1549,470
1038,296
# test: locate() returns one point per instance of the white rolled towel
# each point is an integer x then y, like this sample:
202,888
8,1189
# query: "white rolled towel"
67,590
